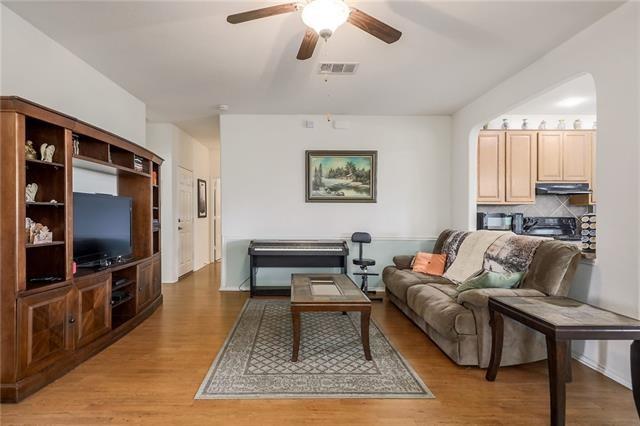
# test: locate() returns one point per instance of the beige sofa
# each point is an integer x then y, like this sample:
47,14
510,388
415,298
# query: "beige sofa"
459,322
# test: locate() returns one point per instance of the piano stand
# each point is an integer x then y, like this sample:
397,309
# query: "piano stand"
293,254
372,295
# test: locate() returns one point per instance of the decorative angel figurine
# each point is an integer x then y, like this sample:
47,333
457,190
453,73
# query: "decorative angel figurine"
41,234
30,152
46,152
31,191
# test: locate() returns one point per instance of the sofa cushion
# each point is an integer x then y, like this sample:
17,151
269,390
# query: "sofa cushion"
440,310
397,281
429,263
552,268
403,261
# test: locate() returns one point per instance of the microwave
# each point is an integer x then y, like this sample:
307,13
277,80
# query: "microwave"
500,222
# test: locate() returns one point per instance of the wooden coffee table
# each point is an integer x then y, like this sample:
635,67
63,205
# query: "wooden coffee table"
562,320
328,293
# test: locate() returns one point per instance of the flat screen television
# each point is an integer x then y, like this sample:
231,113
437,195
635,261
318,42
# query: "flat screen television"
101,228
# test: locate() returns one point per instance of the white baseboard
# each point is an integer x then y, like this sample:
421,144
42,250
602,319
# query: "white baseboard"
601,369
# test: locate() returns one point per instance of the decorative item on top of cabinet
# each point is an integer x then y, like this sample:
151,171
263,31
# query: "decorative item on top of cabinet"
577,125
561,125
505,124
525,124
543,125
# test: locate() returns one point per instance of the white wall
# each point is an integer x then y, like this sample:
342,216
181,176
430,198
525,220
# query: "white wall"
161,139
263,194
180,150
35,67
610,51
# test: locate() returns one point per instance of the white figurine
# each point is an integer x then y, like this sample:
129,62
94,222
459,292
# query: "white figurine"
31,191
46,152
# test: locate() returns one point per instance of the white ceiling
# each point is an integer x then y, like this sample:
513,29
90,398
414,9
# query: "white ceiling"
581,89
182,58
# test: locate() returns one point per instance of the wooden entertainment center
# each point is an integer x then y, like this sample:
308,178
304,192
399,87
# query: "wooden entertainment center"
48,328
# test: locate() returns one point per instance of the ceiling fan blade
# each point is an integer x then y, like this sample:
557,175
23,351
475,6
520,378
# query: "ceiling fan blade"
262,13
374,27
308,45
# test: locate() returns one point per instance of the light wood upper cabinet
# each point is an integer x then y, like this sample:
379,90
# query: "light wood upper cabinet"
521,159
550,156
576,157
491,167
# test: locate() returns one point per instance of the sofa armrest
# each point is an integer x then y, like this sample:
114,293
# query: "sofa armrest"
479,298
403,261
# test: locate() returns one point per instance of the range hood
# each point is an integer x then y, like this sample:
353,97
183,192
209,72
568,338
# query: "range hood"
562,188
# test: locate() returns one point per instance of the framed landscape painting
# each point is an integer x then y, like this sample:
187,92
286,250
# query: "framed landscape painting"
341,176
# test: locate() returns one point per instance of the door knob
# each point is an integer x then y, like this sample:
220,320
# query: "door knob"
72,320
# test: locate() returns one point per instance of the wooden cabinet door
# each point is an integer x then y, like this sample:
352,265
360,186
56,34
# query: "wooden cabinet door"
550,156
576,157
93,308
491,168
521,153
45,329
156,286
144,284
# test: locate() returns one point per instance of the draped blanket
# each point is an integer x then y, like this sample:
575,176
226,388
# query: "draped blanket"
511,253
451,245
470,258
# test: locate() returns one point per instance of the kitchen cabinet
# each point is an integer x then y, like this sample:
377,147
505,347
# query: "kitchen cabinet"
521,159
576,157
550,155
491,167
564,156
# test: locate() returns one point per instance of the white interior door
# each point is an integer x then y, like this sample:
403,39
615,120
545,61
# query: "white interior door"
185,221
217,224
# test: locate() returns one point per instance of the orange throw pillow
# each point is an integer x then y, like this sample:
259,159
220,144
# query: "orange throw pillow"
429,263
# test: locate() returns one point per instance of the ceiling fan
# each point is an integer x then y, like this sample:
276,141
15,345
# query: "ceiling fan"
322,17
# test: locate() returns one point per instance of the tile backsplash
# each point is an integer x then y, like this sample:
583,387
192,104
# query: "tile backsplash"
546,205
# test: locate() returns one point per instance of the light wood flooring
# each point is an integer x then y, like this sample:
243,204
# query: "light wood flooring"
151,375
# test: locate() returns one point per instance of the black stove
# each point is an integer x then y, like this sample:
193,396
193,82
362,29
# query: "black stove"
560,228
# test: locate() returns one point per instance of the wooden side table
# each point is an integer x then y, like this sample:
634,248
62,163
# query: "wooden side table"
562,320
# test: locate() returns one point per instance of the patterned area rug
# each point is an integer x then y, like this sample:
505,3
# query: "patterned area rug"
255,361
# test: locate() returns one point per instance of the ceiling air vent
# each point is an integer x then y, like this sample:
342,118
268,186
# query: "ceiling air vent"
336,68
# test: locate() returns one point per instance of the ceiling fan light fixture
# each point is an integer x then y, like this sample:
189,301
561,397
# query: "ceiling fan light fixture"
325,16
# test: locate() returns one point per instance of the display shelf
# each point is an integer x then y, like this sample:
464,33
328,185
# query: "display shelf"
121,302
43,163
52,243
105,164
43,203
122,285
